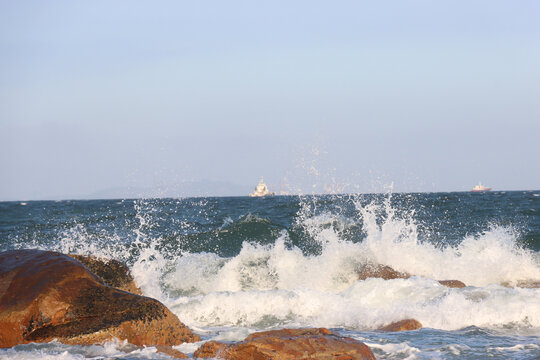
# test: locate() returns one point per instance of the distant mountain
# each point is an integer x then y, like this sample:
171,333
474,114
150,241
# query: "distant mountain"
183,189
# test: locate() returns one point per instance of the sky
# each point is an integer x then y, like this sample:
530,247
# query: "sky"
110,98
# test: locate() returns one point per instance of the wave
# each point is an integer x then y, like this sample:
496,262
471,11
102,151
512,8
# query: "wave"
492,257
108,350
275,284
365,305
275,281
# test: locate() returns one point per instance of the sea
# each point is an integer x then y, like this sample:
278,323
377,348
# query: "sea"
231,266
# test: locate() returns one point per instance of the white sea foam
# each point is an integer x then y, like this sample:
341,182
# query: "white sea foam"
391,351
32,355
273,285
455,349
492,257
366,305
275,266
54,350
265,286
518,347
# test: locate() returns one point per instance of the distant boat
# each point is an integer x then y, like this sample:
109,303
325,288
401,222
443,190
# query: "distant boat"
480,188
261,190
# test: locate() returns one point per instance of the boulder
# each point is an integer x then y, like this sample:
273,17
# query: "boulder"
452,283
171,352
403,325
47,295
527,284
112,272
381,271
387,273
288,344
212,349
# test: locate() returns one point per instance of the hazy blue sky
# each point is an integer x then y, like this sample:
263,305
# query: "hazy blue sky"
429,95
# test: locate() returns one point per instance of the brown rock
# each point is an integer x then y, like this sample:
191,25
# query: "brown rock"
290,333
289,344
387,273
381,271
403,325
46,295
113,273
212,349
171,352
452,283
530,284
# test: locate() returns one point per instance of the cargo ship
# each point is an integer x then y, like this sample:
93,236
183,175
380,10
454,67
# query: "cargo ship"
261,190
480,188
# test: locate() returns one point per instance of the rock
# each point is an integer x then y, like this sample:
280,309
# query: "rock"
290,333
46,295
171,352
212,349
381,271
452,283
387,273
113,273
403,325
527,284
288,344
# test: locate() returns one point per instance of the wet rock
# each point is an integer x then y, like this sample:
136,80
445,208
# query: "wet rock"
381,271
290,333
403,325
527,284
387,273
212,349
113,273
530,284
452,283
46,295
288,344
171,352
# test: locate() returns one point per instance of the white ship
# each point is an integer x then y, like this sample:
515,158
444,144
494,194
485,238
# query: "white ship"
261,190
480,187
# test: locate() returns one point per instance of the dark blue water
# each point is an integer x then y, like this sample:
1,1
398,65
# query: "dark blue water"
230,266
198,224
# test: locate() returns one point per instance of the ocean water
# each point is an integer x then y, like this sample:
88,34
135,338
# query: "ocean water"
232,266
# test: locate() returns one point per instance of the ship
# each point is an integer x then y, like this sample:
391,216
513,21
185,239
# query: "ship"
261,190
480,188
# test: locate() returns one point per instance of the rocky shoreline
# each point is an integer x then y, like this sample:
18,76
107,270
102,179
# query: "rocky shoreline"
46,295
82,300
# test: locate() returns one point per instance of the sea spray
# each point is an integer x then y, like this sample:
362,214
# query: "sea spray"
280,284
231,266
55,350
366,305
491,257
149,265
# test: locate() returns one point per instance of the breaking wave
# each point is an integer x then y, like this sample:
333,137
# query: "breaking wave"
272,280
